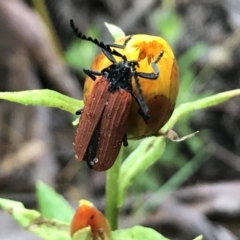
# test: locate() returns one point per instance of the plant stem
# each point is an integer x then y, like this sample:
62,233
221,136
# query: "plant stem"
111,210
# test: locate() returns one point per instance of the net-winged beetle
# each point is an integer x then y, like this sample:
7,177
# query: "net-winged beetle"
102,125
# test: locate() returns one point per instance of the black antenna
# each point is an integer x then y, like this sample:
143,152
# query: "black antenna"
95,41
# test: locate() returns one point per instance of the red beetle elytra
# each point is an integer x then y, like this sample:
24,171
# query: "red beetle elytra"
102,125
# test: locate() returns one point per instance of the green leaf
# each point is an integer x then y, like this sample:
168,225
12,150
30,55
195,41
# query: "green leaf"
187,108
53,205
43,97
137,233
115,31
32,221
17,210
83,234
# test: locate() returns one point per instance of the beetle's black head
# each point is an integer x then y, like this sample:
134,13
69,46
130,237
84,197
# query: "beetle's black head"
119,75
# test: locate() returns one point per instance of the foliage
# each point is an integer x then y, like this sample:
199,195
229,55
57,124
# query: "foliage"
52,228
34,222
48,201
138,161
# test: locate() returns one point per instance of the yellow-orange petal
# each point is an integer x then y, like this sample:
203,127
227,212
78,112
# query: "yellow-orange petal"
160,94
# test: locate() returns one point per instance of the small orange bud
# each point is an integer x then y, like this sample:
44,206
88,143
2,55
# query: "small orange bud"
87,215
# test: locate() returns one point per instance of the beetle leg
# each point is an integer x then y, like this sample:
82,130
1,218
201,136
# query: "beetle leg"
149,76
155,74
109,55
143,111
79,111
91,73
119,45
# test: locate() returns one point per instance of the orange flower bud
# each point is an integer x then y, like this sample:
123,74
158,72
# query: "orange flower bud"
87,215
160,95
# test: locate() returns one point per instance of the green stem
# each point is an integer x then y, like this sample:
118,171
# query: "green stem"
112,192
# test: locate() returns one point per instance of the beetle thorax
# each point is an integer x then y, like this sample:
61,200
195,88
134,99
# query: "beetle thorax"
119,75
